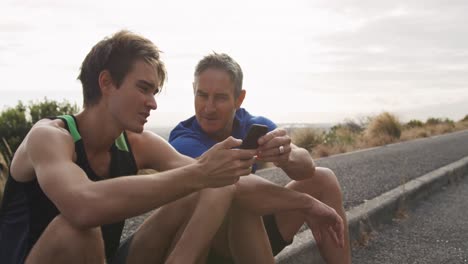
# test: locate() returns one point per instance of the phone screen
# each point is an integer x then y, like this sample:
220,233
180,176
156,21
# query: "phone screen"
255,132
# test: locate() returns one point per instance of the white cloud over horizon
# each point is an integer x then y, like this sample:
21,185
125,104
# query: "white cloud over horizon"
340,57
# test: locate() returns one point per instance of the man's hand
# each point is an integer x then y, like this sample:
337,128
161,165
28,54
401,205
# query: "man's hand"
323,220
223,165
275,147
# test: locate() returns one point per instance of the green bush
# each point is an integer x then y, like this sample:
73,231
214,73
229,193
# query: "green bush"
15,122
414,123
432,121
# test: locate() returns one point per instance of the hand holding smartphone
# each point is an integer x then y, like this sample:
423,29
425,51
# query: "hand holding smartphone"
255,132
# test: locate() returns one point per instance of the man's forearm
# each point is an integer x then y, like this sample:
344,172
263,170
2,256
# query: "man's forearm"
263,197
116,199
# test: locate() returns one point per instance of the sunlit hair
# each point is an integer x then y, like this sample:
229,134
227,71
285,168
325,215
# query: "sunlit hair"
117,54
224,62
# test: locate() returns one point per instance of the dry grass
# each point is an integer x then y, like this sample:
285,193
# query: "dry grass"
461,125
383,129
3,175
307,138
376,131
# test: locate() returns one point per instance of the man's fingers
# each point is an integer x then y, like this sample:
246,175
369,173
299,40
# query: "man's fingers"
337,233
274,152
245,154
279,132
229,143
317,235
340,232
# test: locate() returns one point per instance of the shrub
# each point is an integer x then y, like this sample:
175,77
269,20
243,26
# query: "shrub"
414,123
3,175
436,121
355,126
13,128
465,119
48,108
16,122
382,129
341,135
307,137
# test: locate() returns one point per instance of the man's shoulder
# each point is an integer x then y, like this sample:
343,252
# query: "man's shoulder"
185,130
46,129
189,144
187,139
248,119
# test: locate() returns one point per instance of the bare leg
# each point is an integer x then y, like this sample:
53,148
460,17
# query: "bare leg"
242,238
248,239
63,243
189,224
153,238
323,186
207,217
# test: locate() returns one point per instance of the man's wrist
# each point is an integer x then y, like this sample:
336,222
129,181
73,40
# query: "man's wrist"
197,176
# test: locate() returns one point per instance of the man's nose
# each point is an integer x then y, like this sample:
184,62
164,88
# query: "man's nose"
152,102
210,106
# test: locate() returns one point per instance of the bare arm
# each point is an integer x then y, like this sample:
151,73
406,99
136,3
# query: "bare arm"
262,197
209,213
86,203
295,161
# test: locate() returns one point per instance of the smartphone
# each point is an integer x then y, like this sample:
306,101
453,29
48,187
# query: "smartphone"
255,132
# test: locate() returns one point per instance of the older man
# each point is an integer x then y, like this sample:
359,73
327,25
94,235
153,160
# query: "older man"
219,95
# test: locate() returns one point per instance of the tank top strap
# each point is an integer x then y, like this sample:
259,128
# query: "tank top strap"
71,125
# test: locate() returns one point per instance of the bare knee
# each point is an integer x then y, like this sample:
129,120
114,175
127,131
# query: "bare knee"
324,181
328,177
62,241
182,206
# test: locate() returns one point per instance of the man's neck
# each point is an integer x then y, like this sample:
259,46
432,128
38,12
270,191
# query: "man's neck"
97,130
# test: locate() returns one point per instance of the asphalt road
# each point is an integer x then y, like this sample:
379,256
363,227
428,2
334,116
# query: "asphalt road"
434,231
368,173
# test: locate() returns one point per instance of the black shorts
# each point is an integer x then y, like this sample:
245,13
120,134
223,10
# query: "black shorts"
276,239
120,257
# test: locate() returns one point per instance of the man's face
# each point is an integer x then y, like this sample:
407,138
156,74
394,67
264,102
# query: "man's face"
131,103
215,104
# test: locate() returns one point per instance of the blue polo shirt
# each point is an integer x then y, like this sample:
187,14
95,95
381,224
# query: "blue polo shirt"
189,139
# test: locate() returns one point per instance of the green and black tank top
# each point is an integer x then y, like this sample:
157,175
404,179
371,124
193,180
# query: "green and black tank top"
26,211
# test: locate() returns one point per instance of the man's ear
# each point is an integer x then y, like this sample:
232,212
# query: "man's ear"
105,81
240,99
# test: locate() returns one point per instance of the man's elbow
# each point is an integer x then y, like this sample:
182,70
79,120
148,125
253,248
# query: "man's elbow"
81,213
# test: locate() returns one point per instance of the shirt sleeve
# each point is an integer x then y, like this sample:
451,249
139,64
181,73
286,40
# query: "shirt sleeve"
264,121
189,146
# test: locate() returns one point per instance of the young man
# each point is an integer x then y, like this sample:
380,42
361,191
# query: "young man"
72,185
218,96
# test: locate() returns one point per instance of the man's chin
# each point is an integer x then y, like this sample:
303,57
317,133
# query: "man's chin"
210,129
136,129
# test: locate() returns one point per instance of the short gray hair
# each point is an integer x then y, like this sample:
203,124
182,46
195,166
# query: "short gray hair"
223,62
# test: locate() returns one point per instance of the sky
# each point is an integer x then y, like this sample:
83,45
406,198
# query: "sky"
308,61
